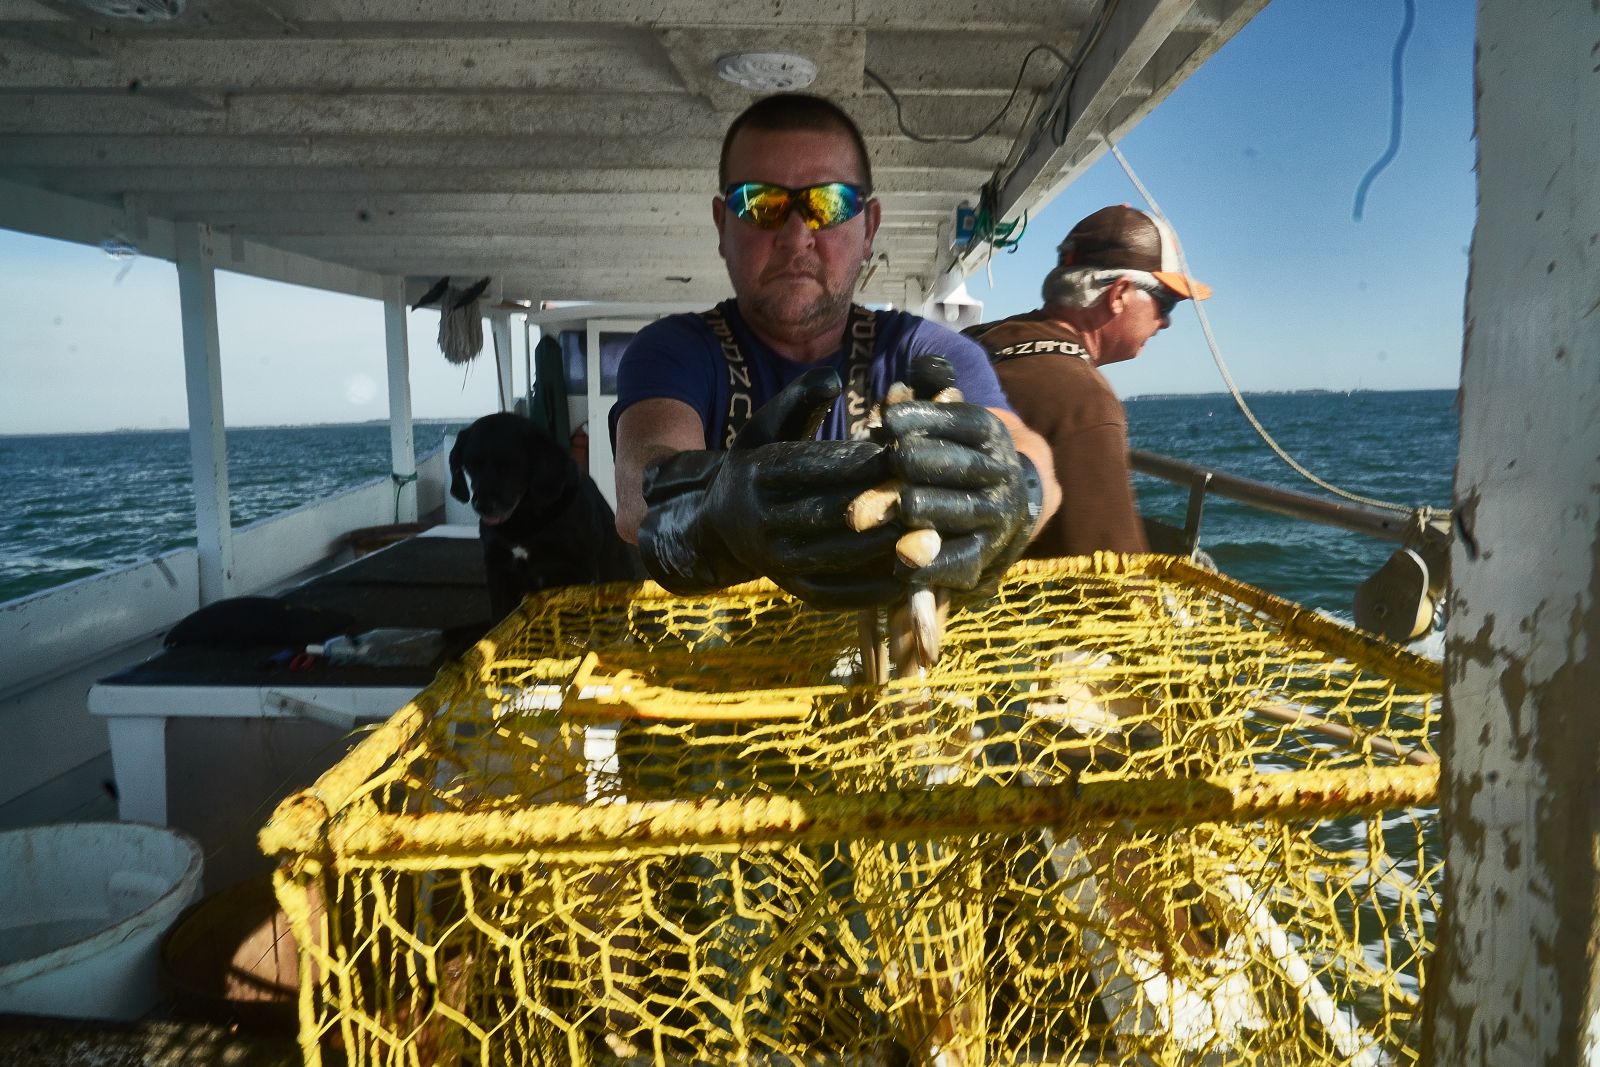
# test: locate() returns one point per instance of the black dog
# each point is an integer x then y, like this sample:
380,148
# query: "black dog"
542,521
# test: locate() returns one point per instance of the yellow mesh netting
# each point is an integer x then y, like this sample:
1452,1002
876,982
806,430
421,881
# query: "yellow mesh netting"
1138,813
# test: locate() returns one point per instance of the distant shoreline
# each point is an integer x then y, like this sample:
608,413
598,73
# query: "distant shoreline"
462,420
1281,392
465,419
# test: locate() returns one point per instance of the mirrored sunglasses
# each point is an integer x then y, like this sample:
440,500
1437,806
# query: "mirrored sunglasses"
767,206
1166,299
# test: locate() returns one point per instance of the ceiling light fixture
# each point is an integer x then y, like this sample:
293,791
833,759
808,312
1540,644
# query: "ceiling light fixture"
767,72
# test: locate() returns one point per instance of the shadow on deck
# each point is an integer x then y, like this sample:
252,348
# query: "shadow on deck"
40,1042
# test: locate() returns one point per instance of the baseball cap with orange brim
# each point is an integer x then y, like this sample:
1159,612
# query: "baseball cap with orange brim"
1124,238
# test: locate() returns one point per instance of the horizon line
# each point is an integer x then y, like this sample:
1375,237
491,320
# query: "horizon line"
464,419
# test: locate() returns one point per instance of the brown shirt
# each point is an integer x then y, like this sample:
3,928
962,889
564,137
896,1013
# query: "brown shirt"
1064,398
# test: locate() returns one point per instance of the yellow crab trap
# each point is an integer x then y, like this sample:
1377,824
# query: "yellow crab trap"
1137,813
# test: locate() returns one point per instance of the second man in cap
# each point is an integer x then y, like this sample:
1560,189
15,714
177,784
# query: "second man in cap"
1117,278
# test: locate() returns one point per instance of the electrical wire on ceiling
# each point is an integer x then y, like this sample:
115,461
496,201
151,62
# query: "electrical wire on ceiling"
1423,513
1062,104
986,229
1058,108
921,138
1002,235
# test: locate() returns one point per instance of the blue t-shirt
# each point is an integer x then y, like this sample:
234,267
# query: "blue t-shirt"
679,358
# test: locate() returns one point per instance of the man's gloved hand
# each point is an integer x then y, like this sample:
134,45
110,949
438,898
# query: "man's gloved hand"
964,478
773,505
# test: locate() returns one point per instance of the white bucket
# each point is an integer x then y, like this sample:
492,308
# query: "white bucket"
85,907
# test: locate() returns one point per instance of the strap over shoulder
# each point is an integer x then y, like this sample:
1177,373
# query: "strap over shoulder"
861,333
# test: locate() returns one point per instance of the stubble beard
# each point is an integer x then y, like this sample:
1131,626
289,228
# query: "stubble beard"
827,308
826,311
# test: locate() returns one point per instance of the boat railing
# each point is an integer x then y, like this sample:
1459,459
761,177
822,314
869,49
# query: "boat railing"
1400,526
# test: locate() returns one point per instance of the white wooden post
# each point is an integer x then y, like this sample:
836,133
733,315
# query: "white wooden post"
504,357
208,447
402,440
527,362
1516,977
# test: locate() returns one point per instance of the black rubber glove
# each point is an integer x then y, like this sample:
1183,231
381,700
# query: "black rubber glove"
773,505
964,478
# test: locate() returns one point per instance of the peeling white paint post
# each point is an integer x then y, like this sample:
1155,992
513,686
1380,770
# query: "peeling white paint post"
208,447
1516,977
402,439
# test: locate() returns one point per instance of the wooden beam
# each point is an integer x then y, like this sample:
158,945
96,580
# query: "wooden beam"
66,218
509,116
455,152
402,442
698,182
208,446
500,337
312,18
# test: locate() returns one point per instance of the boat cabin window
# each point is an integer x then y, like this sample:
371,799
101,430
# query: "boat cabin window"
575,362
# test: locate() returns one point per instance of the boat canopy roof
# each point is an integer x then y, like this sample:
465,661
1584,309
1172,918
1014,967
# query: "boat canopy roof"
565,150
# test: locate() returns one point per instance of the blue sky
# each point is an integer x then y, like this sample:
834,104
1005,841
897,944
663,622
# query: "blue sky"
81,350
1256,160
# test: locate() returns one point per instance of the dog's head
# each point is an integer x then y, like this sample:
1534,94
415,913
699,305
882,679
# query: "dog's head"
503,462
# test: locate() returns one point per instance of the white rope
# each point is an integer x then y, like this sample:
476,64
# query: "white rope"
1423,513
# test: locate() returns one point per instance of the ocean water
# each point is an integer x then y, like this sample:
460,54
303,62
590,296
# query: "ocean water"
1399,447
84,503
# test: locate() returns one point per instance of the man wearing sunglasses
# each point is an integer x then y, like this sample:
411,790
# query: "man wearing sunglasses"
740,432
1117,278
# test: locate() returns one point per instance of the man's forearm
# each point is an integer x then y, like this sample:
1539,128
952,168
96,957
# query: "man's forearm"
1037,449
630,491
647,431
